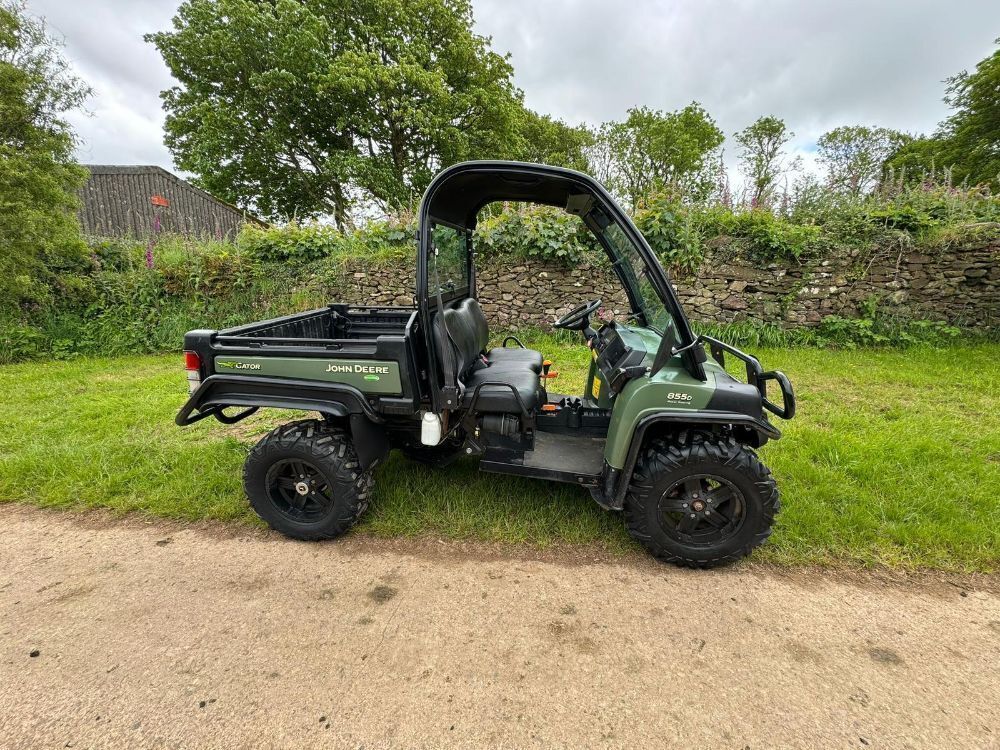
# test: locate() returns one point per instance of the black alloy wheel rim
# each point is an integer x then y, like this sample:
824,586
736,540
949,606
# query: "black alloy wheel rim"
702,510
299,490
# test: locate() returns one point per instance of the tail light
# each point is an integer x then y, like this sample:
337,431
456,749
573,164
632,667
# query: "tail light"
192,364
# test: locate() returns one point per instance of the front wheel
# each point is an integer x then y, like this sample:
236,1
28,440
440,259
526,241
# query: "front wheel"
700,500
304,479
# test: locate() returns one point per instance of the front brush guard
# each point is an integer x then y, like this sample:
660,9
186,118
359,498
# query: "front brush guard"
756,376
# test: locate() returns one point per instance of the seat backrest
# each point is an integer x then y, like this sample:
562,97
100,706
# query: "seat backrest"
468,332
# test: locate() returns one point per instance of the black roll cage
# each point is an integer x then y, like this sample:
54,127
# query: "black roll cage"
523,182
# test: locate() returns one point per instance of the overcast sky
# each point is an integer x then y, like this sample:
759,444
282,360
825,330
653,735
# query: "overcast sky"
816,63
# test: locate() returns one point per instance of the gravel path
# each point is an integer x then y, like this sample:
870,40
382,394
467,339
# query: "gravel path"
135,634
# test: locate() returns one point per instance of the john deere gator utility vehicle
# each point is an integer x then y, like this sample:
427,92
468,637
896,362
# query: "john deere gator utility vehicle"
661,432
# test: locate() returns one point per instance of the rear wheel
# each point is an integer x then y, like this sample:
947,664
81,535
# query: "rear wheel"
700,500
304,480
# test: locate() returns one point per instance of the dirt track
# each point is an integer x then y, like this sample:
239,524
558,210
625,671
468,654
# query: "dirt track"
152,635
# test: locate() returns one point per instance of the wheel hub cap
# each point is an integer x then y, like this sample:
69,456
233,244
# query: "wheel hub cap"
302,488
702,510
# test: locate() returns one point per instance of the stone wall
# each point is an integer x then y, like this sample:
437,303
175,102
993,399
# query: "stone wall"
960,286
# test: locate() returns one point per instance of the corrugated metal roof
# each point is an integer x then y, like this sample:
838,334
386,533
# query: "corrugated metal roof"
125,200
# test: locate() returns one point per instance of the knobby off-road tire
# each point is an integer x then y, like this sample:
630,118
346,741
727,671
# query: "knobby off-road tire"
700,500
304,479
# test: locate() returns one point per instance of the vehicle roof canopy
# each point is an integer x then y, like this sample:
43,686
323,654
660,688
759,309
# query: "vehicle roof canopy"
458,193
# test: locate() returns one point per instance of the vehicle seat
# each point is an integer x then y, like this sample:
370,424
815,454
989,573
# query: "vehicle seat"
508,357
498,394
515,355
469,334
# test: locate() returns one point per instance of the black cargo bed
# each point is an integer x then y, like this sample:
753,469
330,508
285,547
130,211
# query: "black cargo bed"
328,325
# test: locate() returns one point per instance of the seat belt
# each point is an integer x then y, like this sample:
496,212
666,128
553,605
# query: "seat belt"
450,391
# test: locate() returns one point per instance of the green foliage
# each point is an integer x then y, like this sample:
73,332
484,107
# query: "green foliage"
672,230
680,232
766,237
537,232
850,333
762,157
854,156
871,330
901,212
311,241
284,107
965,143
751,334
971,134
549,141
40,244
653,151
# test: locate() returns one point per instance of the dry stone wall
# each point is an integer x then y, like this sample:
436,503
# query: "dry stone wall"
960,286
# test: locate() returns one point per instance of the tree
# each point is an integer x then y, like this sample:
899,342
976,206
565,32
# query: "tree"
39,182
762,157
968,142
972,133
549,141
654,150
289,105
854,156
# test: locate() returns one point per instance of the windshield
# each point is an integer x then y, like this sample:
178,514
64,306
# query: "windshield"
634,269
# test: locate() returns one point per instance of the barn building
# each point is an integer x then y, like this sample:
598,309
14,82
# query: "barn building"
119,201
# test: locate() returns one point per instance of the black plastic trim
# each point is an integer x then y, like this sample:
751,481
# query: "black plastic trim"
787,408
757,377
517,397
498,465
515,339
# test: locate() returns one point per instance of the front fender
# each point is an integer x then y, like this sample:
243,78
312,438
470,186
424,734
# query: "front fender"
674,396
670,392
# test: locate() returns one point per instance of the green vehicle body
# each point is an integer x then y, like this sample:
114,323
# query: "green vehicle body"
670,391
641,398
371,377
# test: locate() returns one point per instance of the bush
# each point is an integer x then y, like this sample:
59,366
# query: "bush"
850,333
769,238
673,231
308,242
540,232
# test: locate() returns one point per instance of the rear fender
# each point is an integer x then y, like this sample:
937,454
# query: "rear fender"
219,391
340,404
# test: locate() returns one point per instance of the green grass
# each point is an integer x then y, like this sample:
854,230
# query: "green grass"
893,460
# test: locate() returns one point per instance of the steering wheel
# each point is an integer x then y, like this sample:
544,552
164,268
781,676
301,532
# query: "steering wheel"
578,318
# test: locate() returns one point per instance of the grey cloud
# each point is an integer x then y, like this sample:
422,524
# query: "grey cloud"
817,64
104,41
